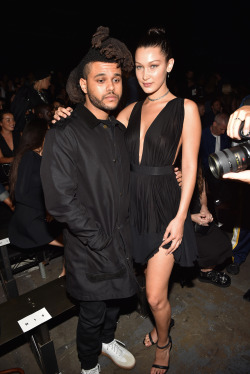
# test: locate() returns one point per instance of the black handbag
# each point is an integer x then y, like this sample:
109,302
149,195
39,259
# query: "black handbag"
203,230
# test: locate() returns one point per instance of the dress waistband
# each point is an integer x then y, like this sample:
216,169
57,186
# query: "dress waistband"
151,170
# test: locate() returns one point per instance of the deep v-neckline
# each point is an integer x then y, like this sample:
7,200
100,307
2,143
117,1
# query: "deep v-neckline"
149,127
11,150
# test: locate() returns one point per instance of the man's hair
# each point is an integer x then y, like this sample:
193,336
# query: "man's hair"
221,117
103,49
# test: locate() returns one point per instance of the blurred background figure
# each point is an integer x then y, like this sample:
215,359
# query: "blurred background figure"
28,96
9,140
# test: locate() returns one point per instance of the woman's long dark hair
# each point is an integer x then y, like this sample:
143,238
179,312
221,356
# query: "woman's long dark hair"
32,138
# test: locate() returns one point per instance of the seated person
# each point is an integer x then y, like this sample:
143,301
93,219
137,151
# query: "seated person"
9,140
214,246
30,226
5,197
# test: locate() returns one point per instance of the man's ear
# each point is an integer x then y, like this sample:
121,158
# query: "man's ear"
83,85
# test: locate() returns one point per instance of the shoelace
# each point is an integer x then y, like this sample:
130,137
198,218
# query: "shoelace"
114,346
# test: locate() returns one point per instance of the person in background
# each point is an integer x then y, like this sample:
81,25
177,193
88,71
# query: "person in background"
28,96
242,245
5,197
213,139
30,225
214,245
9,140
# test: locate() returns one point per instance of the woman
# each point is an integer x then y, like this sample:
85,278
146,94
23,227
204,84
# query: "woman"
157,129
214,246
8,143
30,226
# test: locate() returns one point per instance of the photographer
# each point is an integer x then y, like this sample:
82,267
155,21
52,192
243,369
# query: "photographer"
241,246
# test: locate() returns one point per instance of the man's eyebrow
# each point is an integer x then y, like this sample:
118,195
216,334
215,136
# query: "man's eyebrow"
104,74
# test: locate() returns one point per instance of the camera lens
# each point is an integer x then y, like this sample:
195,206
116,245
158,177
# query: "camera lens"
230,160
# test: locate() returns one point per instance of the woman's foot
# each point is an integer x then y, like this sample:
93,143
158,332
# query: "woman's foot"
150,339
161,363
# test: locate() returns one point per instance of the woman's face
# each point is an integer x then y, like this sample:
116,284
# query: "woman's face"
8,122
151,68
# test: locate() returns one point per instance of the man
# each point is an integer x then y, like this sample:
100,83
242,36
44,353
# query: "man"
241,232
85,175
215,108
214,139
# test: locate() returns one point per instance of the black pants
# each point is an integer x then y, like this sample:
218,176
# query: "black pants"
96,325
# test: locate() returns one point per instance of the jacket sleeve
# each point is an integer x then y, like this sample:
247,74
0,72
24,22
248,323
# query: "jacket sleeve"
59,181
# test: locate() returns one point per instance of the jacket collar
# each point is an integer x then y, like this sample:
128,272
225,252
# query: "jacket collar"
91,120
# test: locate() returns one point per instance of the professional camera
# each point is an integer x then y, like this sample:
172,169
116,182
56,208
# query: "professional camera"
233,159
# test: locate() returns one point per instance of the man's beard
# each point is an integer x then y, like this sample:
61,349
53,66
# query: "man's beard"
99,103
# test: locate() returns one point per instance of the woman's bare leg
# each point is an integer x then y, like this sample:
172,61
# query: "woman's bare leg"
157,281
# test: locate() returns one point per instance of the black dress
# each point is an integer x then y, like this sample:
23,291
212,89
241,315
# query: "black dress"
28,227
7,152
155,193
214,245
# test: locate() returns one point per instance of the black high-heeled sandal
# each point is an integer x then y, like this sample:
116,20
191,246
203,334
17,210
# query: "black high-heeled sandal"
150,336
164,347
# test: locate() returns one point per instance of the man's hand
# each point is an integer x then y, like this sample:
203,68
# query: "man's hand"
178,176
243,176
62,112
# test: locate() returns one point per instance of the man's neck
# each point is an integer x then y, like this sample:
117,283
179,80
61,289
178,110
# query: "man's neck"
98,113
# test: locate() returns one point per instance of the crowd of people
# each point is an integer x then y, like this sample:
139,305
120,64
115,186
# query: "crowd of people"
97,156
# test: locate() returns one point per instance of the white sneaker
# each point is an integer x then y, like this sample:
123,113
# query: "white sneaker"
118,354
95,370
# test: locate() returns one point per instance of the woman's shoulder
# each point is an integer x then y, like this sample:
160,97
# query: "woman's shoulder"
190,104
125,114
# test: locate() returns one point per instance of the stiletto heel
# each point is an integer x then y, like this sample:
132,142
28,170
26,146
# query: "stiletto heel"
164,347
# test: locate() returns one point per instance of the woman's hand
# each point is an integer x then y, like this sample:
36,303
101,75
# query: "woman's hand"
200,219
173,234
62,112
204,212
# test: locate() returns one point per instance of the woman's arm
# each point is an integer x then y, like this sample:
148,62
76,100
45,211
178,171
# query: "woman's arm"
5,160
190,139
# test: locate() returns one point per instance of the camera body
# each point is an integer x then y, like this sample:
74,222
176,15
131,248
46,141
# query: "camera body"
233,159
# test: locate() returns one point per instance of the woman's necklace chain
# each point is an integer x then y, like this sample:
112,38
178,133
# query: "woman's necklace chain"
159,97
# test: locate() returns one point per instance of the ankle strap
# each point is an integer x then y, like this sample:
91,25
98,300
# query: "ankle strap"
167,345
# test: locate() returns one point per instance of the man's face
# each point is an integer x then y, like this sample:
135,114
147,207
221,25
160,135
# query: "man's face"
219,128
103,87
216,106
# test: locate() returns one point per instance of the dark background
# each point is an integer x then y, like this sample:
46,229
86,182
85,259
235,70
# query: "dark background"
205,36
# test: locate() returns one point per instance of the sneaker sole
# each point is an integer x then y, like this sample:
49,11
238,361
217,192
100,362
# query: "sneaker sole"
120,366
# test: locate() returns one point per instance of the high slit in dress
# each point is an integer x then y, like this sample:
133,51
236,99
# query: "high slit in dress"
155,193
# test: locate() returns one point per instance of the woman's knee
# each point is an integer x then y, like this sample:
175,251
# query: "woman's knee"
157,301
